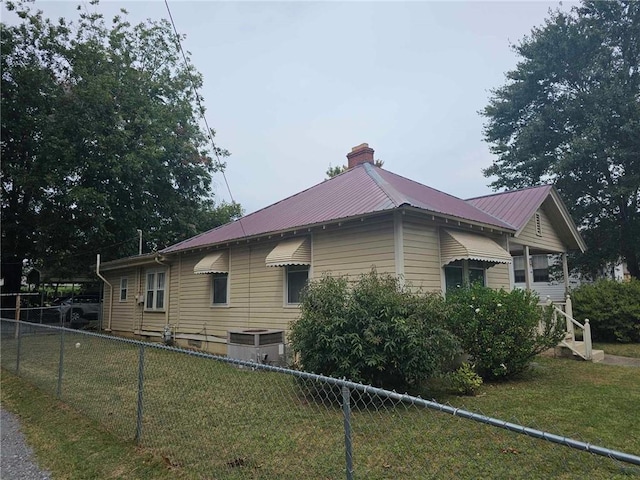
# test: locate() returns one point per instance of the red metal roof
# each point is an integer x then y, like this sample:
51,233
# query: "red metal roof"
362,190
514,207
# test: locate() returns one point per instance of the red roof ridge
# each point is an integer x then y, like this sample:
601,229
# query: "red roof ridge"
494,194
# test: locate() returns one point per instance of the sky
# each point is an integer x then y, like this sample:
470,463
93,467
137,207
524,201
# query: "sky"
291,87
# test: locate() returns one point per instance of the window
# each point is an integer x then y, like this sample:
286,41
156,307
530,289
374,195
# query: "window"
296,279
476,272
453,275
540,265
219,290
518,270
124,281
155,290
540,268
464,272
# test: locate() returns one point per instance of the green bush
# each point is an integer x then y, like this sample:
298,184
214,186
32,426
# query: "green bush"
464,380
613,309
500,329
374,331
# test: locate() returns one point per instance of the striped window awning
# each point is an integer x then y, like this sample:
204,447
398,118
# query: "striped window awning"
458,245
217,262
294,251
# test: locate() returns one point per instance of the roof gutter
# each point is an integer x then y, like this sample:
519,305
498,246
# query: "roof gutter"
108,329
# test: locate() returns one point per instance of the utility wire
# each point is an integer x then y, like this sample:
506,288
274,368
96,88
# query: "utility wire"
201,109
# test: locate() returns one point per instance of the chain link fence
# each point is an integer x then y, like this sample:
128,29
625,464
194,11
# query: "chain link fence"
214,417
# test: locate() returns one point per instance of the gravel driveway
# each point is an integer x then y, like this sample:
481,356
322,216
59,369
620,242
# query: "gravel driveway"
16,457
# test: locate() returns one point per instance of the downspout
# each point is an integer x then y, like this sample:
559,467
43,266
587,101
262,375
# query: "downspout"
166,288
108,329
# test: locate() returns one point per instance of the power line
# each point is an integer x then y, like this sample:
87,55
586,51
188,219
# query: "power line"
201,110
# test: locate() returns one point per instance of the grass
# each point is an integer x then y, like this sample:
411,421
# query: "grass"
69,444
207,419
623,349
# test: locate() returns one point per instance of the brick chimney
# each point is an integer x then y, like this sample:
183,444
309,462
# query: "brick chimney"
359,155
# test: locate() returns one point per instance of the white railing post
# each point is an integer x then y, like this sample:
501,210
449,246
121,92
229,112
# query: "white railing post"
568,307
587,340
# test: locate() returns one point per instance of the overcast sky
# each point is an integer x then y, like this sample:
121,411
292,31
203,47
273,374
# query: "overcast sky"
290,87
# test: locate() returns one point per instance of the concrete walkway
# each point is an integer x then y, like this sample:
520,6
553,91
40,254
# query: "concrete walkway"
617,360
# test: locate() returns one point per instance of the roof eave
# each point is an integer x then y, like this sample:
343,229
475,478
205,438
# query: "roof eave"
308,228
134,261
573,229
458,220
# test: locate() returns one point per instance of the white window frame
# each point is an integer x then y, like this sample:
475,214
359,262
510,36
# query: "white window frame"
154,290
215,276
124,288
286,282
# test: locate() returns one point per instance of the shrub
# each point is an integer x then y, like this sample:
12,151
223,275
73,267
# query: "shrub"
465,380
613,309
374,331
500,329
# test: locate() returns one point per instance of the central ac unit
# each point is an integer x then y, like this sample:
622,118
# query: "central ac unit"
256,345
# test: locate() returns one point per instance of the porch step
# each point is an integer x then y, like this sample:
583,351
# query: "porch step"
578,352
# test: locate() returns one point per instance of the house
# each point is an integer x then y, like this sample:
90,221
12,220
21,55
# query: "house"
248,274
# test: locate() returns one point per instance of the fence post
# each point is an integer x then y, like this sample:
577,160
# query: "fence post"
139,412
19,339
60,365
348,447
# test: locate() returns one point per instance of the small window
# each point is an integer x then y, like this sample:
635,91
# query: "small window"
219,287
538,225
296,279
453,274
518,270
463,273
155,290
124,282
476,272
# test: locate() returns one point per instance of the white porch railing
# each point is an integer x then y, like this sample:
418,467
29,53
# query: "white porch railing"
583,349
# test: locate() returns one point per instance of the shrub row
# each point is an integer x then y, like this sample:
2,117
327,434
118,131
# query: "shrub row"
613,309
379,332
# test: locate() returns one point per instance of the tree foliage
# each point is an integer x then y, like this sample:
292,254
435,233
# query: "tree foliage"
100,137
374,331
338,169
613,309
570,113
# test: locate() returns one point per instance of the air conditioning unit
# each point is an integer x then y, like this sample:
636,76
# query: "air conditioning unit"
256,345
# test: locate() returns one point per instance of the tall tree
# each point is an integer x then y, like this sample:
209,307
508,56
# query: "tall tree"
100,137
570,113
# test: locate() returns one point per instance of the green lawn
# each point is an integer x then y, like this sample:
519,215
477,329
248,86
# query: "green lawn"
622,349
207,419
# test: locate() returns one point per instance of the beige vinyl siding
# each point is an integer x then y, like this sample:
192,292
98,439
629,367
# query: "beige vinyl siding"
421,255
498,276
354,249
549,241
123,312
256,295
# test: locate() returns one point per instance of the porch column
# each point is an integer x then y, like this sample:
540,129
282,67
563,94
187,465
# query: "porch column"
565,273
527,268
